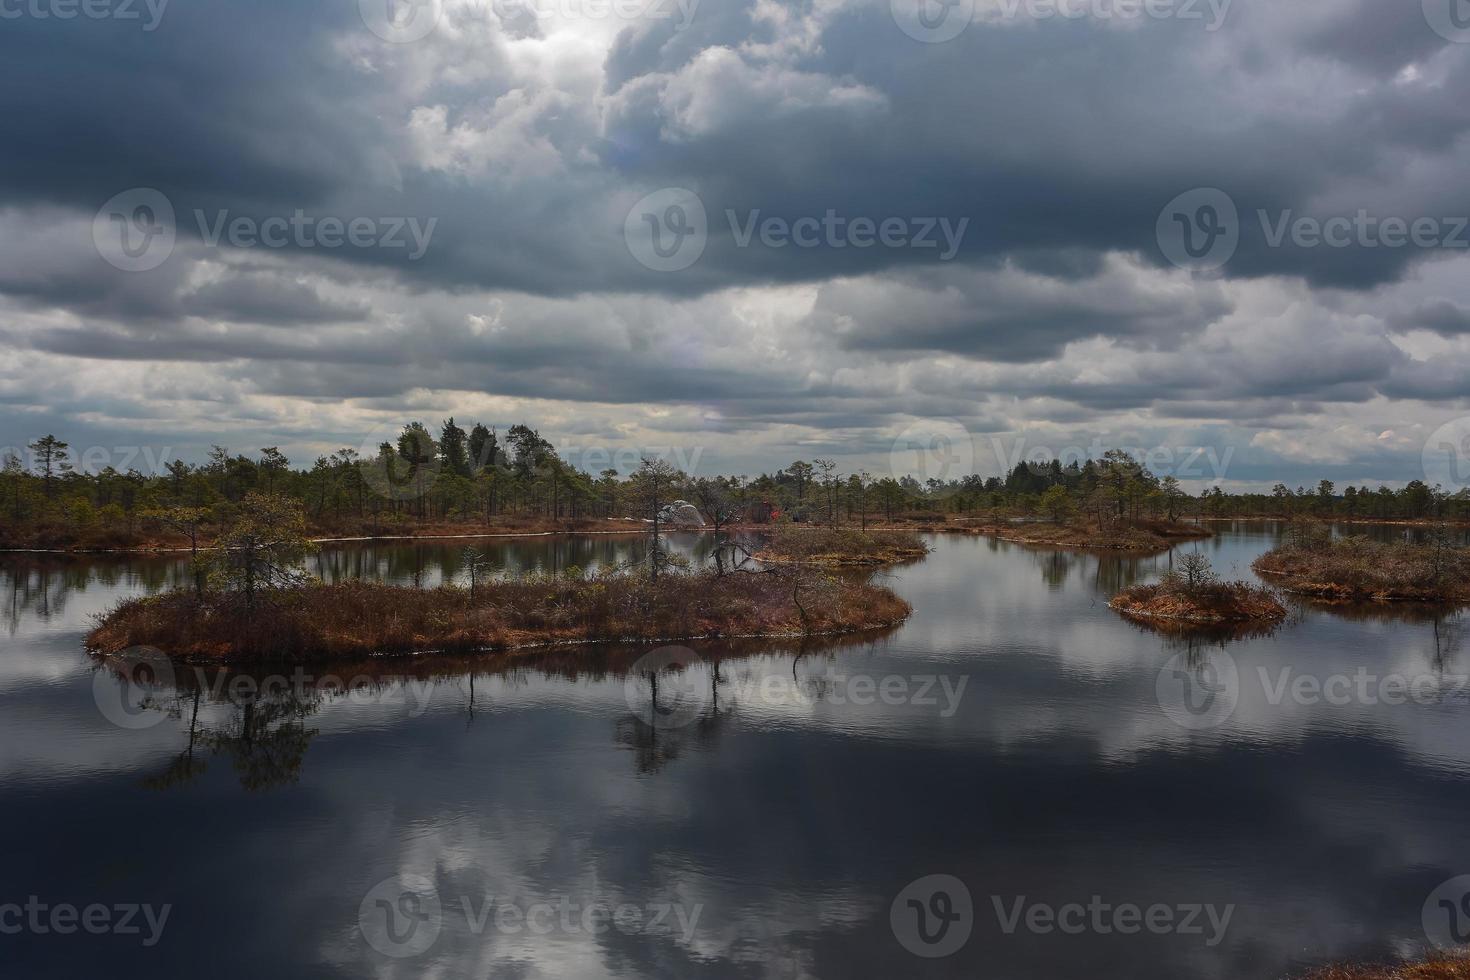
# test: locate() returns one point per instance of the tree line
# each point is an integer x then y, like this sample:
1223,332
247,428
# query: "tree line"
479,476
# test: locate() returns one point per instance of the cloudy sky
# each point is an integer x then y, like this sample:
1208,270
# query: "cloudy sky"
756,230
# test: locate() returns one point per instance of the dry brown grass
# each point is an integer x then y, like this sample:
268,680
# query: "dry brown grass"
1356,568
1138,536
1444,967
357,620
1212,603
841,546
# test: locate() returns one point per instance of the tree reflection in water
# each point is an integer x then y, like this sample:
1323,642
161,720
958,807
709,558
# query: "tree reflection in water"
38,586
263,734
258,719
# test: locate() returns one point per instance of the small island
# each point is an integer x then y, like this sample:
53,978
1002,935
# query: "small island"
1358,569
1142,535
832,546
361,619
251,603
1192,595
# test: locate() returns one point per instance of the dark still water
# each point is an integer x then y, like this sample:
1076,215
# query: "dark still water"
1097,800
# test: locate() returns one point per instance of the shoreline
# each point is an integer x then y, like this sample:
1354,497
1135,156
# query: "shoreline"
1332,519
1012,533
357,539
1135,539
642,530
1337,594
511,651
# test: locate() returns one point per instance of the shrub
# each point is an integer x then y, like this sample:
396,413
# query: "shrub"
1191,591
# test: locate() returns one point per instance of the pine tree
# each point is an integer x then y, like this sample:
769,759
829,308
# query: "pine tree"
482,447
453,449
51,459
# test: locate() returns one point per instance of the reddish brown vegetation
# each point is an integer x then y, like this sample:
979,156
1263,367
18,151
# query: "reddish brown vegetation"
1446,967
356,620
841,546
1134,535
1356,568
1190,593
1216,602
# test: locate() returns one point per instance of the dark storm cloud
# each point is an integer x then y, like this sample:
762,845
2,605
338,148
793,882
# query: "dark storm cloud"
1057,141
1131,118
1055,135
1441,316
1380,37
1004,314
268,299
228,101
